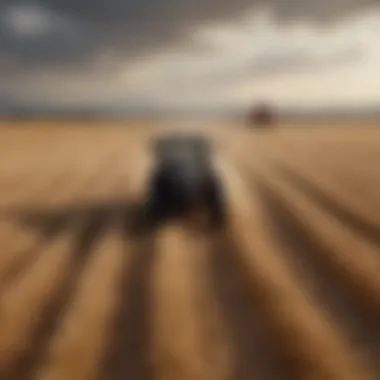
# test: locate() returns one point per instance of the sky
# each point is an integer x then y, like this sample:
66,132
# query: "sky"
183,53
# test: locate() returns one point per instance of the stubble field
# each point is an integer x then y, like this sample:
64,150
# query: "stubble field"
290,289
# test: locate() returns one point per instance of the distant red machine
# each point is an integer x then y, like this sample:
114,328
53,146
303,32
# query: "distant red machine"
262,116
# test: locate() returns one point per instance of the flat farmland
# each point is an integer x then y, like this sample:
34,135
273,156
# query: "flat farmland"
289,289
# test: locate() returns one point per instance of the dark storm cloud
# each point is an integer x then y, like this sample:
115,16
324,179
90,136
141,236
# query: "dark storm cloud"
81,28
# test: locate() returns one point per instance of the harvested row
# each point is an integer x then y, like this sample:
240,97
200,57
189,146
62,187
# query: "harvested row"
25,299
355,177
186,342
18,247
82,340
309,338
355,261
338,194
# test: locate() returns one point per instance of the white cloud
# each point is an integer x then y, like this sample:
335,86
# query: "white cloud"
253,56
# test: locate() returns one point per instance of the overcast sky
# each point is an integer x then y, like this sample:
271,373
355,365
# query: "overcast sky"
181,52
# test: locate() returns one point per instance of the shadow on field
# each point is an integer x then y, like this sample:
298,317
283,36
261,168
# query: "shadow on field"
256,354
131,327
96,219
130,356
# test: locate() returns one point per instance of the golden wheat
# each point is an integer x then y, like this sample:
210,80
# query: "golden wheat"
92,300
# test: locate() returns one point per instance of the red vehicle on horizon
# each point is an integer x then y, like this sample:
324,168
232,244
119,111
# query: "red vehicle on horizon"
261,115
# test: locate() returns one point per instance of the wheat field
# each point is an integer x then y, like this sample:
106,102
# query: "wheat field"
290,289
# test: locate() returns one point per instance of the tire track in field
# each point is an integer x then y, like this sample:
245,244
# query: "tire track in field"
356,205
83,231
81,342
23,303
361,326
254,353
129,356
342,255
308,337
184,343
331,202
354,259
18,246
27,247
66,206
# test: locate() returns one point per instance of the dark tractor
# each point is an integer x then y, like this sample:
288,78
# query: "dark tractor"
183,182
